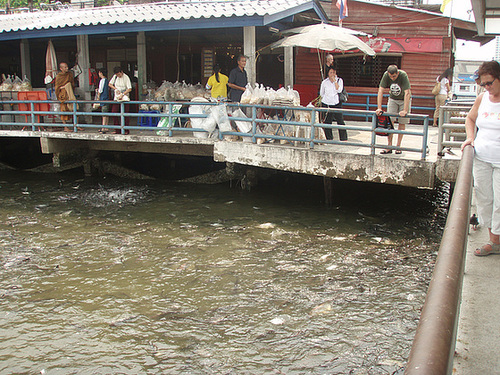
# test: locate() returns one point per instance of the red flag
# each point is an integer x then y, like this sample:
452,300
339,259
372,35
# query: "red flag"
343,12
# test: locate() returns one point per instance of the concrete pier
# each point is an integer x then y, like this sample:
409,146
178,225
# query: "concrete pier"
352,162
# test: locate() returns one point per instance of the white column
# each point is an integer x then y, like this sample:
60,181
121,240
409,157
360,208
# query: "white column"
141,64
249,52
82,47
288,66
25,59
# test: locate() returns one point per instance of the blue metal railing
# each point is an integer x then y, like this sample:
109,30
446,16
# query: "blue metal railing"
368,105
284,119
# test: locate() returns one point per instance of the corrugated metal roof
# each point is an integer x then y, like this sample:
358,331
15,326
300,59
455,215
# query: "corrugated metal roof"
151,12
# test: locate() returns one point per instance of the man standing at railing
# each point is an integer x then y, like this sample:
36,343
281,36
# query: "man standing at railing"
238,80
122,87
398,83
64,85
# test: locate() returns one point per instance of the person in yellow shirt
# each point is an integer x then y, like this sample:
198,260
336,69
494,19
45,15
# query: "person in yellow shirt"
217,83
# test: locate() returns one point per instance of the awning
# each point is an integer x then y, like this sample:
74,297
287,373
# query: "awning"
153,17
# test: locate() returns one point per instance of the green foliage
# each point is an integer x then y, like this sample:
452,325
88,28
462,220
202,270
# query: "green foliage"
19,4
36,3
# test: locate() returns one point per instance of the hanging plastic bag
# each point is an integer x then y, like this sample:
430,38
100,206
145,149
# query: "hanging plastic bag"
26,85
220,112
246,96
76,70
6,84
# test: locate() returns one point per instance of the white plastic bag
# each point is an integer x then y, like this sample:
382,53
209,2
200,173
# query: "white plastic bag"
243,126
220,113
198,122
247,95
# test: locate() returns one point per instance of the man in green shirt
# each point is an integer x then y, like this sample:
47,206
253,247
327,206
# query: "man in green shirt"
398,83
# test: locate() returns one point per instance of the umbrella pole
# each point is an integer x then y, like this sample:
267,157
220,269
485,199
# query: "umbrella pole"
320,65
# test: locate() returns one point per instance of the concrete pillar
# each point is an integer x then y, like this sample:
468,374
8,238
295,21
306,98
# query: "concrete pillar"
328,186
25,59
249,47
82,47
141,64
288,66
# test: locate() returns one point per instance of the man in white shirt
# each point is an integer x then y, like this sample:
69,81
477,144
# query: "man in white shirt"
329,92
122,86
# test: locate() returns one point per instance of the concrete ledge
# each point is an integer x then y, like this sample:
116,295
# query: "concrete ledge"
376,168
447,169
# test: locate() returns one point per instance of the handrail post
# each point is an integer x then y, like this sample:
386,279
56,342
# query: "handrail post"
254,124
122,118
32,109
75,119
170,109
374,136
424,138
434,343
312,136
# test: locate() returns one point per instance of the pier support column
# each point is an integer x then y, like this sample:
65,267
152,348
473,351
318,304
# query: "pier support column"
25,59
249,52
288,66
141,65
328,186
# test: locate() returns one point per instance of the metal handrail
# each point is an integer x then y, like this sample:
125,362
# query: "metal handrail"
434,343
445,126
284,120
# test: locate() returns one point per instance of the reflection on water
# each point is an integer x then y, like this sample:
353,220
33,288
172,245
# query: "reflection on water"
163,278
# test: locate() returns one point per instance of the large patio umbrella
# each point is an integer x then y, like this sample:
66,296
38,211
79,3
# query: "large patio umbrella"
50,63
324,37
322,27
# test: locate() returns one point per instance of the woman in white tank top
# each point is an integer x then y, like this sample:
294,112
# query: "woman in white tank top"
483,132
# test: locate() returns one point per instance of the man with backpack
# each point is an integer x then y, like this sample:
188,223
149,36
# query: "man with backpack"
399,102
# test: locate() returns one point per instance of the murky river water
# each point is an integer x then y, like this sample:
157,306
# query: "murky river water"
120,277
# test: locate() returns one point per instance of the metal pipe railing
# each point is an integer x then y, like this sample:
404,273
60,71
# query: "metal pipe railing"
286,119
434,343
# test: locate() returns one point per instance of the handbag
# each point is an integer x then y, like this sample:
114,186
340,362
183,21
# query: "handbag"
436,89
343,95
383,123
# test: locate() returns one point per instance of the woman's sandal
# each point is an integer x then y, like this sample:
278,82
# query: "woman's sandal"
383,152
488,249
399,152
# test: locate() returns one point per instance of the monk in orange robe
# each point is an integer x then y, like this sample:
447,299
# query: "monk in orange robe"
64,85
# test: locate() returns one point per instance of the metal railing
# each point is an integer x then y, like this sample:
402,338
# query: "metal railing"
434,343
283,118
452,124
370,102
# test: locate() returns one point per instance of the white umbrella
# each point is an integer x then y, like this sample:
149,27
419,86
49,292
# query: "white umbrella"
323,26
324,37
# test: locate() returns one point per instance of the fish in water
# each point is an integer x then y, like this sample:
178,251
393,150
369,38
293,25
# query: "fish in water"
16,261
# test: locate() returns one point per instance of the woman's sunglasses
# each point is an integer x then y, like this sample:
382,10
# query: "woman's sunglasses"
484,84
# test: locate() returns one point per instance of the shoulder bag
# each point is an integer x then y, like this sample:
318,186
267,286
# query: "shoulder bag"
436,89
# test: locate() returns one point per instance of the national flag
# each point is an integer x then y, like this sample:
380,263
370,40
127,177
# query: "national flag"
342,5
444,4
